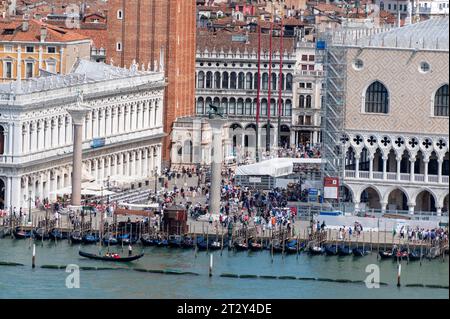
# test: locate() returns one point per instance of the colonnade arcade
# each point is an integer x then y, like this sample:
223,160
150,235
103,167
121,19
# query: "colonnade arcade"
138,163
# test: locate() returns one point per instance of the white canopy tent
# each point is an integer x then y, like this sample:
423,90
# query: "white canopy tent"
274,167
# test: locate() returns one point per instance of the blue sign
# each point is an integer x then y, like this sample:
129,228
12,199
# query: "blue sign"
321,45
312,194
98,142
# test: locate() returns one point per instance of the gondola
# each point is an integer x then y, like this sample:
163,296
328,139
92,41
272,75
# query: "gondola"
175,241
344,251
19,233
41,233
359,252
331,250
241,246
316,250
106,258
291,246
76,238
110,241
126,239
90,239
162,242
57,234
255,246
148,240
386,254
414,256
188,242
401,254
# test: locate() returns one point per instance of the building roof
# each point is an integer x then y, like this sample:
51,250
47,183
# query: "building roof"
431,34
13,30
223,40
84,71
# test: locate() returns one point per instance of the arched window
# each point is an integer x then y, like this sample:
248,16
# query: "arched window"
241,81
240,107
274,81
255,81
209,80
2,140
200,106
302,101
216,102
264,107
233,81
288,108
377,98
272,108
201,80
265,81
208,102
248,107
232,106
217,80
282,82
225,80
441,101
289,82
308,101
225,105
248,81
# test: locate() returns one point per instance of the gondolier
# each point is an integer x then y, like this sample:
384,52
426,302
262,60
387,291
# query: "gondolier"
130,250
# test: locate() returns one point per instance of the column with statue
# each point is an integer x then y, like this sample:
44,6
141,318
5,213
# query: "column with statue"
216,121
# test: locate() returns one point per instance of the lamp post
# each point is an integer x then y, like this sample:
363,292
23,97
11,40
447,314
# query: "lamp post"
29,206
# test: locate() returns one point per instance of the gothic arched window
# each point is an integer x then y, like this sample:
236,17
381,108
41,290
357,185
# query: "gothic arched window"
441,101
377,98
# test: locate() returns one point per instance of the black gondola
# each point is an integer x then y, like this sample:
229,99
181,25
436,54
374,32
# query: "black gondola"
19,233
316,250
57,234
175,241
110,240
359,252
241,246
344,251
331,250
162,242
148,240
41,233
90,239
255,246
76,237
126,239
414,255
107,258
188,242
386,254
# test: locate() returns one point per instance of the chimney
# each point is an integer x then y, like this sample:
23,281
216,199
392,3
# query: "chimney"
43,34
25,26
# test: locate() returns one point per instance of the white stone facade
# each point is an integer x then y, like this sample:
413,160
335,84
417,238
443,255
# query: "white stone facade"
125,117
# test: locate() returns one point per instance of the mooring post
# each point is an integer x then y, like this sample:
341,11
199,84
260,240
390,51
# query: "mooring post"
210,264
399,272
33,259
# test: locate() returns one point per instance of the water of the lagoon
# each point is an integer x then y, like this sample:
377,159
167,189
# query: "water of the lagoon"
24,282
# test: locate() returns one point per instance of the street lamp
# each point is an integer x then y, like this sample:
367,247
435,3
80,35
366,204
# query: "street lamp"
29,206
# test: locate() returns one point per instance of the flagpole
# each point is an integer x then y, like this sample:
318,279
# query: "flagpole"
258,97
269,92
280,87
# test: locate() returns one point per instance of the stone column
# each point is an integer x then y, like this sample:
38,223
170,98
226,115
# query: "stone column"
357,157
399,161
107,122
385,159
440,161
411,208
425,171
411,171
383,206
216,166
78,114
438,211
371,158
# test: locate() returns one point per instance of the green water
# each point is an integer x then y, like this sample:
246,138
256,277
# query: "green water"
25,282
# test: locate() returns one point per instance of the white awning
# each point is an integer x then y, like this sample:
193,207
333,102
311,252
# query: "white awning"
274,167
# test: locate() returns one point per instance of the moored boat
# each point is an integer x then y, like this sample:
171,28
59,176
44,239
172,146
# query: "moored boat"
20,233
110,258
57,234
148,240
175,241
90,239
359,252
386,254
76,237
316,250
41,233
344,251
331,250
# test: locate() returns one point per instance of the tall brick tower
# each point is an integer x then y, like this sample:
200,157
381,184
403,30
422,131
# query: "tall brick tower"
158,32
